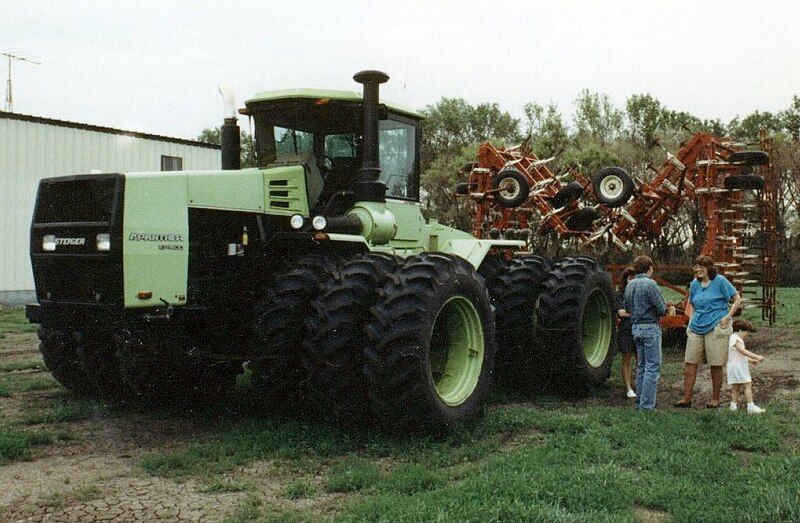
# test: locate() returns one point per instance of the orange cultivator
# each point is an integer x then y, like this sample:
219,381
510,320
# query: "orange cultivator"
514,190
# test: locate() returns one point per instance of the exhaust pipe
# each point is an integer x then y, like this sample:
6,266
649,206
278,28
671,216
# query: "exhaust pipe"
230,137
367,188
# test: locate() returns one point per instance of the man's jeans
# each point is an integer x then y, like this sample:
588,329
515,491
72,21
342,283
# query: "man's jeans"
647,338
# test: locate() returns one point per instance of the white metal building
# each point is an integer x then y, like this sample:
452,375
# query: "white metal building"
32,148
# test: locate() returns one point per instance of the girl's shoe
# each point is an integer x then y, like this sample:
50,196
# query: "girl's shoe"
631,394
752,408
734,406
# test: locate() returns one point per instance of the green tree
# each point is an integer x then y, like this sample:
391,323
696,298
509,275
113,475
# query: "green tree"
790,118
546,129
438,183
675,120
591,159
452,123
596,119
644,117
747,128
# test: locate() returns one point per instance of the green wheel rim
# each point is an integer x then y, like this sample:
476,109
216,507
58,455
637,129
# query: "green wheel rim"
456,351
596,328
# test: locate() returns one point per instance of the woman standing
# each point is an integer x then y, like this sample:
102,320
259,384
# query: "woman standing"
710,327
625,337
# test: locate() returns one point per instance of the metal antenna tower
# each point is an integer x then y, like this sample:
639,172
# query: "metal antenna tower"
9,95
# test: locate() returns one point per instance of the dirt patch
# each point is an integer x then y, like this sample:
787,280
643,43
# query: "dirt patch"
648,515
777,377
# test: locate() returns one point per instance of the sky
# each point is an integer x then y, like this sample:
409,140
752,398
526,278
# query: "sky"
155,66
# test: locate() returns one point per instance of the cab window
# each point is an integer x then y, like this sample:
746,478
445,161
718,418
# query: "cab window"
398,158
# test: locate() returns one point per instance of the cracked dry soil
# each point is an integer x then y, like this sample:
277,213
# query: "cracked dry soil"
93,473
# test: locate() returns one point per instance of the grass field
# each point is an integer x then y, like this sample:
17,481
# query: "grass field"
545,459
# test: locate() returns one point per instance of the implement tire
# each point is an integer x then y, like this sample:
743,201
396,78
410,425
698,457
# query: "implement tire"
749,158
747,182
513,188
613,186
60,356
583,219
276,333
430,351
515,295
576,323
333,350
568,193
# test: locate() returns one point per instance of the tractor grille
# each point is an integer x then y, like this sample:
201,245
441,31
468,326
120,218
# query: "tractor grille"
286,194
70,214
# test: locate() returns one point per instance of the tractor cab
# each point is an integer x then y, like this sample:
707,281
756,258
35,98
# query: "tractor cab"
323,130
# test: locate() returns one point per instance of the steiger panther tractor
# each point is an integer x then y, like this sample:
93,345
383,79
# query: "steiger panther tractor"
316,270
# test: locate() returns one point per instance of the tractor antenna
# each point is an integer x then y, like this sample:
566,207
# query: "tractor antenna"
9,93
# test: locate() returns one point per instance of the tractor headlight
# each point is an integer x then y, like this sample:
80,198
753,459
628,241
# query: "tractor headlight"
296,221
49,242
103,242
319,222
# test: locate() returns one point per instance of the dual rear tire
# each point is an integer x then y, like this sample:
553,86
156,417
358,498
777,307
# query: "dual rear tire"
407,343
411,344
555,324
430,346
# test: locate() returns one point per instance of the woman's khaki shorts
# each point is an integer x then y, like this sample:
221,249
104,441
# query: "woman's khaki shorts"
713,345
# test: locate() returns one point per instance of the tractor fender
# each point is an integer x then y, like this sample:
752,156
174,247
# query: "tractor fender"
474,250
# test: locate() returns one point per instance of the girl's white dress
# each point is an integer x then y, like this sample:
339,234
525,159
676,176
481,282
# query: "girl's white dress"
738,366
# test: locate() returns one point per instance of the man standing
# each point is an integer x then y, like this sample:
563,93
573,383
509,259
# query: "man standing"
645,304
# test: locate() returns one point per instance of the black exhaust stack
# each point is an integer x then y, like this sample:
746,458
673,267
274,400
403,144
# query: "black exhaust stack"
367,188
231,145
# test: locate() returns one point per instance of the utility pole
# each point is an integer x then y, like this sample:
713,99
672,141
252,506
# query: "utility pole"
9,96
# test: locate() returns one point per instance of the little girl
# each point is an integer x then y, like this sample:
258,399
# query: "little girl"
739,360
625,344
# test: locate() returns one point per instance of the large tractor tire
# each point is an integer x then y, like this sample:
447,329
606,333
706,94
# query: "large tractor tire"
208,380
157,369
278,329
576,323
60,356
97,356
515,295
494,263
146,370
334,347
430,354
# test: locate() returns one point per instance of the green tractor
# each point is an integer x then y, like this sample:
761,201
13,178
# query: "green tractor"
316,269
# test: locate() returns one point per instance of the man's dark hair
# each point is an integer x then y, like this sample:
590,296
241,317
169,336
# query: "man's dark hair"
708,263
741,325
642,264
